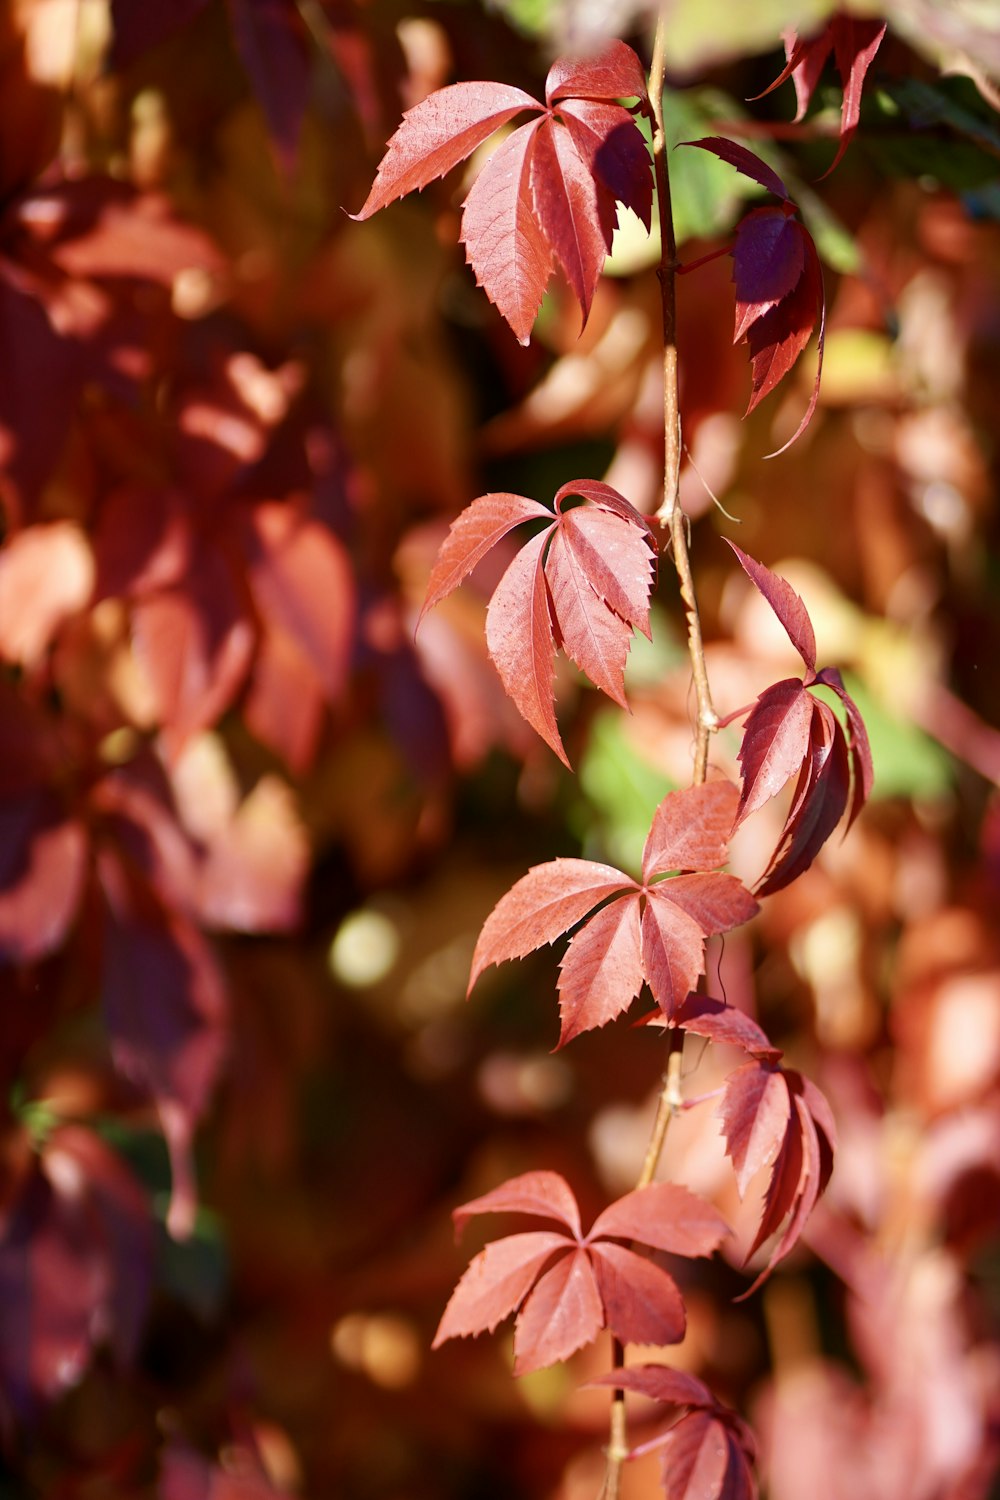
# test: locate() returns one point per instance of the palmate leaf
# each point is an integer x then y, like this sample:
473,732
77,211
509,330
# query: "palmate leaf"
653,932
566,1286
790,732
547,194
583,581
709,1452
772,1116
854,43
779,282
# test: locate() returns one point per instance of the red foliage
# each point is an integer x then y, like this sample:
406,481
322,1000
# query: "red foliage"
653,932
583,583
548,190
566,1288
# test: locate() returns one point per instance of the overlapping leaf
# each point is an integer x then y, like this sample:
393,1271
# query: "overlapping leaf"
708,1454
653,931
779,282
583,582
773,1116
789,732
547,194
565,1286
76,1262
854,42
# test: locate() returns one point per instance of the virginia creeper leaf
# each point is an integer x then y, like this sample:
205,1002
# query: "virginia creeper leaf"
772,1114
768,262
667,1216
438,133
471,536
504,241
671,932
543,905
775,742
561,1314
854,43
565,200
745,162
593,1283
520,641
543,1193
690,829
601,972
613,73
642,1303
496,1282
548,190
616,156
706,1016
755,1113
584,581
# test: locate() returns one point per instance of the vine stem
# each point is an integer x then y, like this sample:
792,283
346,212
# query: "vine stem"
672,517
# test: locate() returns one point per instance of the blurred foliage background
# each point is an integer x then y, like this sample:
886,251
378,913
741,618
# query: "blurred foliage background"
251,826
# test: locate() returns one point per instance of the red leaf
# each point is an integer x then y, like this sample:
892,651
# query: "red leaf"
563,1313
553,897
545,1194
745,162
690,829
590,634
666,1216
717,902
673,950
601,972
778,337
862,768
565,200
541,906
720,1022
660,1383
616,156
786,604
818,805
43,859
769,257
255,855
520,642
479,527
504,242
855,43
775,743
614,72
596,1284
755,1114
194,644
702,1461
708,1453
303,584
438,133
765,1108
616,559
642,1302
496,1282
584,580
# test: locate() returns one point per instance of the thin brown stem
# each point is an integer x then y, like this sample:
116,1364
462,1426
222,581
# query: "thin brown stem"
670,513
673,518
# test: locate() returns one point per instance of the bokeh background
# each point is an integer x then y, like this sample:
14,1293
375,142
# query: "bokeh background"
250,826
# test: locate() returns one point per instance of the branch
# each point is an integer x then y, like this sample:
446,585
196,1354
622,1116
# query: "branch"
670,513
